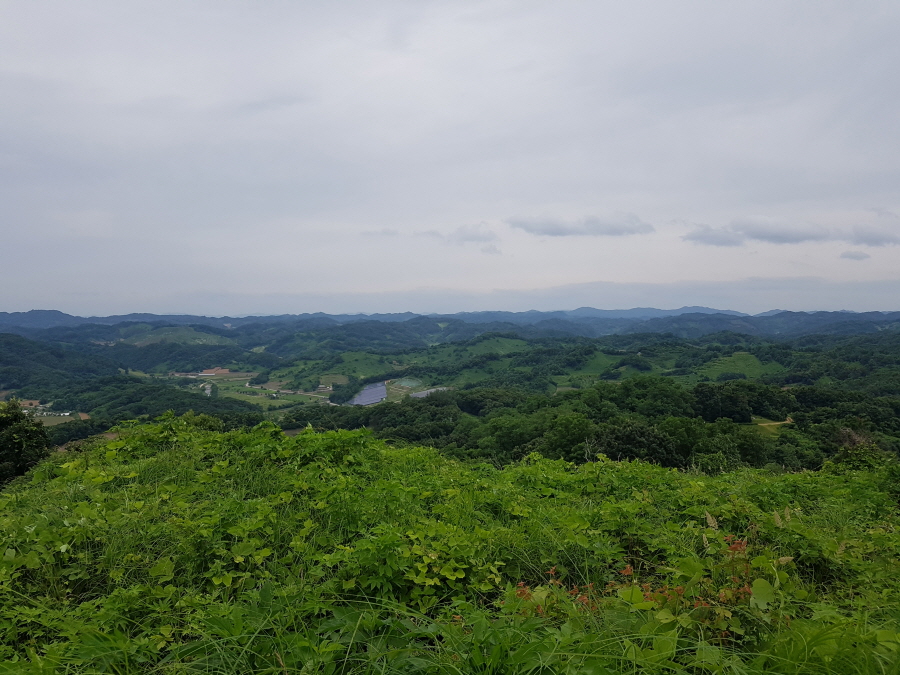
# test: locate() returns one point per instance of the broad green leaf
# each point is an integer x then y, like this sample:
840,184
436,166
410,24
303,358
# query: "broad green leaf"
665,616
763,593
631,594
163,569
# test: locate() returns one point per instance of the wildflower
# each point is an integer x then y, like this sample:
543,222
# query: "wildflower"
523,592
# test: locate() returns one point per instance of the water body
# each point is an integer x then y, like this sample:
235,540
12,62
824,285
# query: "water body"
371,394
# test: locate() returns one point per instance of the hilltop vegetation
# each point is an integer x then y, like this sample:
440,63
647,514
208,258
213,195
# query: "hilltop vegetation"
179,549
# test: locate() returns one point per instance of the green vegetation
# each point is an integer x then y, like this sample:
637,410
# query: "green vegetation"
87,370
142,335
741,364
715,426
630,503
177,548
23,441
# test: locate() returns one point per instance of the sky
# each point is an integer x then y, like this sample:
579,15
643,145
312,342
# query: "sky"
234,158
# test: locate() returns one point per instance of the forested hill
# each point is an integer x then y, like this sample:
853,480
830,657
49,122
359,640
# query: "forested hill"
39,318
75,381
585,321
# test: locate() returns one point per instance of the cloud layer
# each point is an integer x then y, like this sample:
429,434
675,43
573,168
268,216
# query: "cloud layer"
164,155
773,231
618,225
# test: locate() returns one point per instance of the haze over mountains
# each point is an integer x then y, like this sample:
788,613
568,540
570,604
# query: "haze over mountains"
584,321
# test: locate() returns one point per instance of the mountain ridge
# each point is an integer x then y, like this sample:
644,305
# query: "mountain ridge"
52,318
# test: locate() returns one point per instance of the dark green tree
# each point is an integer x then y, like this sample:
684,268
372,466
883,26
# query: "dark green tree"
23,441
630,438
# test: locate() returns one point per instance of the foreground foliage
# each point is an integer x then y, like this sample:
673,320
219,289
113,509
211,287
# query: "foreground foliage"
23,440
176,549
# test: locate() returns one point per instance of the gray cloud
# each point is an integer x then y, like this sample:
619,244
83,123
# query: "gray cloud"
855,255
465,234
776,232
617,225
773,231
873,236
383,232
714,236
471,233
273,103
884,213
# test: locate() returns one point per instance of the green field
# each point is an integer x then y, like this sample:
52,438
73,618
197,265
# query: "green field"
53,420
739,362
498,345
331,379
362,364
768,427
597,364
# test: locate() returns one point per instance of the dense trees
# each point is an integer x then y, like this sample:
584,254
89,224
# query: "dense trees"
23,441
650,418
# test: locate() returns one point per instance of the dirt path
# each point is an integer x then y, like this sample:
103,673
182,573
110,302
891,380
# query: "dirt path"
774,424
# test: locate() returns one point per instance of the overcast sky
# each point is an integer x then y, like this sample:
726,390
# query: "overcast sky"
282,157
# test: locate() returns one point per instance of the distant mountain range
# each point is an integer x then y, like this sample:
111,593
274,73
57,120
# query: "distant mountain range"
685,322
51,318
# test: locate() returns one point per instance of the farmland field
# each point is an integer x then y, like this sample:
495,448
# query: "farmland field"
53,420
